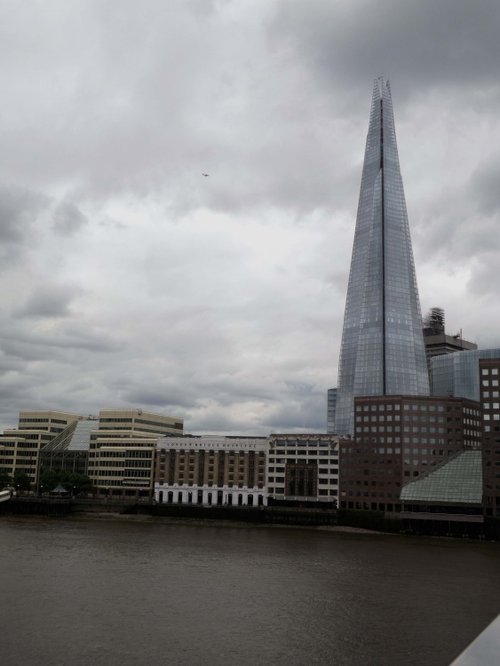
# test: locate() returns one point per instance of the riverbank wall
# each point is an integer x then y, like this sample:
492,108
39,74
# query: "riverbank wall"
270,515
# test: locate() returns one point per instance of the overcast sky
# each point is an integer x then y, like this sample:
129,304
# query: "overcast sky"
128,279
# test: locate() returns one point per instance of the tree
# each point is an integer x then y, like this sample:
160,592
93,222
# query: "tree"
5,480
73,482
21,480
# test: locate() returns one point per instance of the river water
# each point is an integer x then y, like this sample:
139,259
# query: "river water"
123,592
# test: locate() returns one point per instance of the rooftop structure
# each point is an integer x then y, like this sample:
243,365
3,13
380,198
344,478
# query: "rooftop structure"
447,499
455,481
437,341
69,451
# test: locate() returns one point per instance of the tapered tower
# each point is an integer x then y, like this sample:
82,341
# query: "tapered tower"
382,350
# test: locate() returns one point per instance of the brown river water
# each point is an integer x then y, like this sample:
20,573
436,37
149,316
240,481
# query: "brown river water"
123,592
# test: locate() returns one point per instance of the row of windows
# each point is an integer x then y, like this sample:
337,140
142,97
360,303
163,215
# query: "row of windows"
123,473
211,452
321,491
422,407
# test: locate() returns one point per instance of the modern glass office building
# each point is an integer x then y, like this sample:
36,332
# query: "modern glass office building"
457,374
382,350
330,410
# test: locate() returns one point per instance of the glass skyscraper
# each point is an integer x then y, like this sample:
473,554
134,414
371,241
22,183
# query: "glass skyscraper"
382,350
457,374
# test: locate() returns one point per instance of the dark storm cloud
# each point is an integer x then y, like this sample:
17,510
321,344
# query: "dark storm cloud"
419,44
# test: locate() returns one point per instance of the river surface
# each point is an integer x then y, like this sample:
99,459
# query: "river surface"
118,593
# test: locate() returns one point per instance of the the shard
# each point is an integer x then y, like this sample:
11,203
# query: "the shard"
382,350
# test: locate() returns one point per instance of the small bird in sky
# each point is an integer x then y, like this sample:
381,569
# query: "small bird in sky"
205,174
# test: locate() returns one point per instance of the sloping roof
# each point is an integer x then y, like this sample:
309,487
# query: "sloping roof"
459,481
76,437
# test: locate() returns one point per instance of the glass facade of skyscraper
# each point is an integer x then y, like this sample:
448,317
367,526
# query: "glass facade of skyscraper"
457,374
382,350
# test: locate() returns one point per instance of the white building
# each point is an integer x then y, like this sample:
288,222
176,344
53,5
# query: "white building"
303,468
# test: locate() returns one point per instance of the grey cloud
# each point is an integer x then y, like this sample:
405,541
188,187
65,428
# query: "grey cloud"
19,210
219,422
168,396
68,219
59,345
483,186
220,299
49,301
299,416
421,44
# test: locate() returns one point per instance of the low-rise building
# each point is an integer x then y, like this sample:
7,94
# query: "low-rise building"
20,447
303,469
122,451
448,499
211,470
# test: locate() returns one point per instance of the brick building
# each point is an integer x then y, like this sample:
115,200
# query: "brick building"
211,470
399,438
489,371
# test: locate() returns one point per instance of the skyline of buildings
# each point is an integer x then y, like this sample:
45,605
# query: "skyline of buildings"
385,428
382,350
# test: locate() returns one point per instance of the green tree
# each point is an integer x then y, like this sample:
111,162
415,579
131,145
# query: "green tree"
48,480
5,480
21,481
72,481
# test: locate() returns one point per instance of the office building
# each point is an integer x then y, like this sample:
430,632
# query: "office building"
20,447
122,451
331,405
458,374
303,469
397,440
211,471
139,420
116,450
489,369
382,351
69,450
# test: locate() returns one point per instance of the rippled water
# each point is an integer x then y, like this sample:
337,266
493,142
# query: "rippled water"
78,592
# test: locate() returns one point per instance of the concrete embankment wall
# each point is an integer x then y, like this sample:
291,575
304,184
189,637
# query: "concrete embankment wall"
269,515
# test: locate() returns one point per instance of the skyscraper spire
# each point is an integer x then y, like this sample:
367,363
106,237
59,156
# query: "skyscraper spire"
382,350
